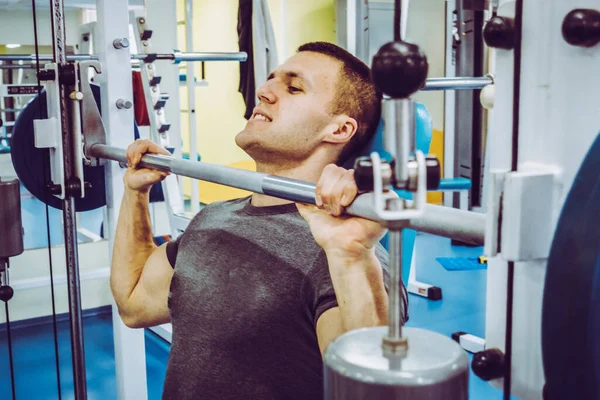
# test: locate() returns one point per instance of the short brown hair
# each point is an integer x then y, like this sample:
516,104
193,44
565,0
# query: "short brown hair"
356,95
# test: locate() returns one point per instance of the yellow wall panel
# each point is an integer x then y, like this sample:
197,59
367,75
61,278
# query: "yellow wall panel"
437,149
219,106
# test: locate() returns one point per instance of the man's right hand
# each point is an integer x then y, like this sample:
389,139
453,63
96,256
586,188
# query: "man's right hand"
142,179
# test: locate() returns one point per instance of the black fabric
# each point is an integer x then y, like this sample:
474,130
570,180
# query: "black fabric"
249,286
172,249
247,84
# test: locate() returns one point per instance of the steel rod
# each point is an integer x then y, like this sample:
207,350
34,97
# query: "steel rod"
176,57
458,83
69,215
463,225
395,308
45,57
466,226
17,66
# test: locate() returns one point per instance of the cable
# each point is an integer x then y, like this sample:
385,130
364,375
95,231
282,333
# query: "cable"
397,20
10,353
44,171
9,339
509,323
514,166
517,83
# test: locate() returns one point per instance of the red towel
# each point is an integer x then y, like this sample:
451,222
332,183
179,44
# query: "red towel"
139,100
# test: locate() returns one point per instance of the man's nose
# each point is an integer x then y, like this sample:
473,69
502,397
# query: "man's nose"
265,94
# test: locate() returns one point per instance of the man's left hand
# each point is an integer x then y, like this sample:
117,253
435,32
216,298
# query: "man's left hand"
338,234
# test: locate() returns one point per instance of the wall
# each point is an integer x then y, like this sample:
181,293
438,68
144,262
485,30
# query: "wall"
30,279
16,26
220,107
426,27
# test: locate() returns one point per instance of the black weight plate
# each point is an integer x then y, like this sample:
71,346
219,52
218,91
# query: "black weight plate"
571,304
30,162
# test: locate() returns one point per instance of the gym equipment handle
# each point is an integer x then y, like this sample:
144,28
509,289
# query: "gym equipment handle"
443,221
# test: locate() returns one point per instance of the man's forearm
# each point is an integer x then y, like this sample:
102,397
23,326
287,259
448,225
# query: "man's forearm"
360,290
133,245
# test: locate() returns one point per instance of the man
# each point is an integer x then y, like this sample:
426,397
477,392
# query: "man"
256,288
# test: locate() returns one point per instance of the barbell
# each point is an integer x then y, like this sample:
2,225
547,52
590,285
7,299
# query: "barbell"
28,163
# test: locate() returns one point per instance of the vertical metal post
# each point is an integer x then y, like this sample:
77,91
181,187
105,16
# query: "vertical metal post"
399,135
191,84
395,307
116,83
468,123
449,97
69,216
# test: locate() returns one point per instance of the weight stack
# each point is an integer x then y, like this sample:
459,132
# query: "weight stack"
435,368
11,227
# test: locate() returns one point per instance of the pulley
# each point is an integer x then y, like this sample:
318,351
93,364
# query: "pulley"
31,163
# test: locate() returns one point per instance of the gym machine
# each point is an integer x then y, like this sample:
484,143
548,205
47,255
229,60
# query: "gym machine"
402,363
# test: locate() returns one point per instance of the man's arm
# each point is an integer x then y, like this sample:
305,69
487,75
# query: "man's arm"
349,244
361,296
140,272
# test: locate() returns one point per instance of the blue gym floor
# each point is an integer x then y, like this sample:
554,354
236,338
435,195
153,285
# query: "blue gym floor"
461,309
35,363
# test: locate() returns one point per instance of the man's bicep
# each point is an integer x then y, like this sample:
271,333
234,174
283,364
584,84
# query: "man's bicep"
151,294
329,327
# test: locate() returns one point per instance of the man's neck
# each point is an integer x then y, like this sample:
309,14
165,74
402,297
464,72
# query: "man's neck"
308,172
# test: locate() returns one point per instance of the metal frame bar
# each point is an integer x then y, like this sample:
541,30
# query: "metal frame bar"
69,215
458,83
176,57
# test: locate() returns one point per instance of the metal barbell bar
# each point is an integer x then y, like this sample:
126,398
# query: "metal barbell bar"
176,57
443,221
458,83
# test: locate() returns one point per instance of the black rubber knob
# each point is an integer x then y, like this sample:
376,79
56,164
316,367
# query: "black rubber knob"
581,27
488,364
399,69
499,33
434,173
6,293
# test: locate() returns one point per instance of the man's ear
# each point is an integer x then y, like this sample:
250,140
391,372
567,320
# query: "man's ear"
341,130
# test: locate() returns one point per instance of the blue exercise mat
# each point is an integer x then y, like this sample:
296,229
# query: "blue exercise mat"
461,263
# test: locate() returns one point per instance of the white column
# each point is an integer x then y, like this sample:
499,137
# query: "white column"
115,81
558,123
449,101
191,85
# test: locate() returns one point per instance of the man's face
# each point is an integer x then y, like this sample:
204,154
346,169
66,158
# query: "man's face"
293,112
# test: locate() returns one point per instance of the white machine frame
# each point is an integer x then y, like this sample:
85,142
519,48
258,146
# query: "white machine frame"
115,82
558,123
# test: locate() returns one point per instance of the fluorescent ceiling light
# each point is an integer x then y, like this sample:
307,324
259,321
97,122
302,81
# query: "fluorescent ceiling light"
12,46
